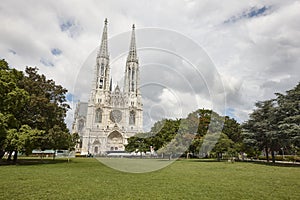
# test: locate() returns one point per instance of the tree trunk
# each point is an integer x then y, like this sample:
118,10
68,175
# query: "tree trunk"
273,155
2,153
218,157
267,153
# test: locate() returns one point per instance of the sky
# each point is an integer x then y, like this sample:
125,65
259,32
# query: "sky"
224,55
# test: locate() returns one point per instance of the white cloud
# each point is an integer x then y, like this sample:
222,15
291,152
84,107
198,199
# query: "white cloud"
255,56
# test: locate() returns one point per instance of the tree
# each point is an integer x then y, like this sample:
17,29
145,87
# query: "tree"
223,145
47,105
57,139
32,109
161,133
23,140
12,100
196,134
232,129
288,113
197,123
275,124
262,130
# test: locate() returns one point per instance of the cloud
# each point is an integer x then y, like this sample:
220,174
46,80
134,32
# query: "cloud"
255,54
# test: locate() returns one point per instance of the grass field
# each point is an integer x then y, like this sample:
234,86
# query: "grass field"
87,178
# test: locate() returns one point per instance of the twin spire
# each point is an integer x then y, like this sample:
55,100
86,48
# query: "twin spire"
103,81
132,56
103,53
103,47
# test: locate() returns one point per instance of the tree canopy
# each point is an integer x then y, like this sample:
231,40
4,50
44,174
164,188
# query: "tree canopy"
32,112
275,124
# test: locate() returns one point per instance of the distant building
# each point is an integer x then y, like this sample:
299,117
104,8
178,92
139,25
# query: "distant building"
111,115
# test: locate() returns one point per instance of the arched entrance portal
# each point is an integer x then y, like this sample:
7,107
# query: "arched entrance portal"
115,141
95,146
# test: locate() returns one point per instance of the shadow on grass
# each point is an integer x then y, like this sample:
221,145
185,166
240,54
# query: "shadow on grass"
33,161
200,160
277,164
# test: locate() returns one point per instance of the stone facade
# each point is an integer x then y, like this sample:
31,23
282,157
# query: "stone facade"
110,116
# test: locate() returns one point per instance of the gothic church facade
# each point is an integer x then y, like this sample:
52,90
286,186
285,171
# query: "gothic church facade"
110,116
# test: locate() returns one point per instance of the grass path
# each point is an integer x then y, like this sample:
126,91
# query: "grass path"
85,178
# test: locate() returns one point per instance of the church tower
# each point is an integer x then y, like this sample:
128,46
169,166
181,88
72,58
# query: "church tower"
112,116
131,85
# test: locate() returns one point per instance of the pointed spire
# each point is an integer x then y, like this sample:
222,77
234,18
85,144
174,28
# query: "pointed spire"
103,53
132,56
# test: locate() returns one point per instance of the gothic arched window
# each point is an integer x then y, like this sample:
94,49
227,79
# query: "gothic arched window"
101,83
102,69
98,116
132,117
132,79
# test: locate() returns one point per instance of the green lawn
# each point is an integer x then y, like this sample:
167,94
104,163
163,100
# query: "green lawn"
87,178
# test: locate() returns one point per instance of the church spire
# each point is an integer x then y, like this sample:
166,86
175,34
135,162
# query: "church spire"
102,63
131,80
103,53
132,56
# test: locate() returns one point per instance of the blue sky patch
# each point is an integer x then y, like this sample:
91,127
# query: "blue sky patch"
69,97
46,62
70,26
56,51
12,51
256,12
250,13
230,112
66,25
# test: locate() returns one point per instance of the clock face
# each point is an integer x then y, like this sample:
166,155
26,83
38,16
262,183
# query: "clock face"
116,116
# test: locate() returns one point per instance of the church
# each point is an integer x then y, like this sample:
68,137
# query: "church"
111,115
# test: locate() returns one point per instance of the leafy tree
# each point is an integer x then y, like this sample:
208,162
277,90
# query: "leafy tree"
262,130
47,106
275,124
223,145
161,133
58,139
233,130
74,140
193,134
32,109
197,123
12,100
178,145
288,113
23,140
